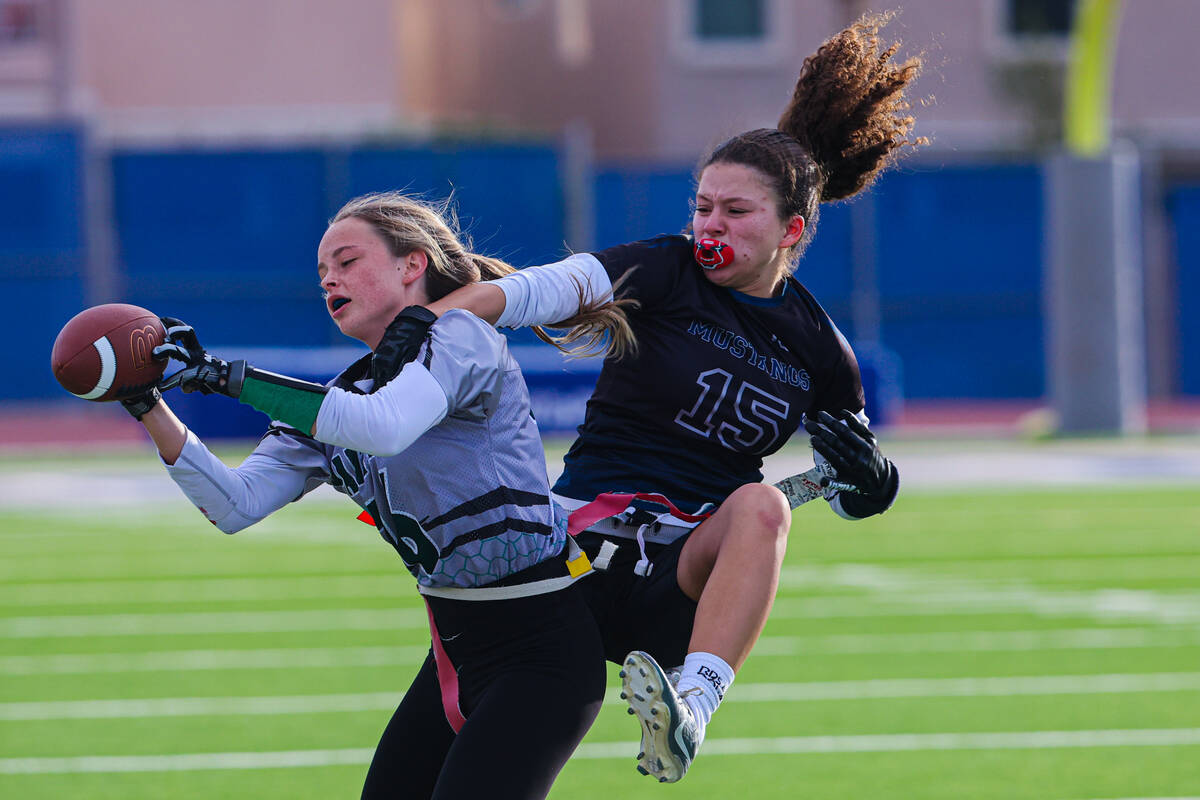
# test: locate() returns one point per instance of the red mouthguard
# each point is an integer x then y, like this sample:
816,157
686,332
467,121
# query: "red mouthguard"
713,254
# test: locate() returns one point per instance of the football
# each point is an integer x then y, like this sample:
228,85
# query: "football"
105,352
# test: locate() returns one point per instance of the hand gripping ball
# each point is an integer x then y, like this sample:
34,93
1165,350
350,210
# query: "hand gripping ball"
106,352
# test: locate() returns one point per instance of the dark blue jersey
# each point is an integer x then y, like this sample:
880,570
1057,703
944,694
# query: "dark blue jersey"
720,380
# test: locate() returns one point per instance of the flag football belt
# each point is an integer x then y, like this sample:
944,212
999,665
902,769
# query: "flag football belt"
641,511
541,578
629,510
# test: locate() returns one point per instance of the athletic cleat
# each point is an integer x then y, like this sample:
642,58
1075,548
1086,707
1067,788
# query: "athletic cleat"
670,737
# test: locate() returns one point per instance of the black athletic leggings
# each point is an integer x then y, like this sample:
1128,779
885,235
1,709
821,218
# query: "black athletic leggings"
531,680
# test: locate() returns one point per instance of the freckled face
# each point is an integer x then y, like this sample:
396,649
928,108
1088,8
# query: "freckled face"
735,205
363,282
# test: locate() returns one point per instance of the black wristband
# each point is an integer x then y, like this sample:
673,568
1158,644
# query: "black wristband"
237,377
140,405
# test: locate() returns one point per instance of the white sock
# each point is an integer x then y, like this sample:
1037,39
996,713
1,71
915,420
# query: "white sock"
712,676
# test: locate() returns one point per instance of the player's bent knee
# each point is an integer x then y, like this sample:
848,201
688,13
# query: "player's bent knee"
763,504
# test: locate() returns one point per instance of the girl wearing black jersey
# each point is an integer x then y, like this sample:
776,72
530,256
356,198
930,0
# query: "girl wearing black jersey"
717,356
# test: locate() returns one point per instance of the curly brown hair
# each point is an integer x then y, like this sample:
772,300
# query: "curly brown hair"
846,122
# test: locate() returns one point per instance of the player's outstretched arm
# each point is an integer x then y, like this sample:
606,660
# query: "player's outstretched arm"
293,401
166,431
483,299
405,402
535,296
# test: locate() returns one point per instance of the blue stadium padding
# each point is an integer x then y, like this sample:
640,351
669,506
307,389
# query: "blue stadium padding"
637,202
42,255
508,197
41,212
995,354
825,268
1184,208
225,241
960,278
883,382
45,306
960,231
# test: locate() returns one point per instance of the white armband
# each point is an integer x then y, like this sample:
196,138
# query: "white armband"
551,293
389,420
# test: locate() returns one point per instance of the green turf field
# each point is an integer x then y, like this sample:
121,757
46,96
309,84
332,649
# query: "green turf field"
965,645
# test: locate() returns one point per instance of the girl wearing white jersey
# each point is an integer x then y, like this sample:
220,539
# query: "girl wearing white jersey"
720,356
431,434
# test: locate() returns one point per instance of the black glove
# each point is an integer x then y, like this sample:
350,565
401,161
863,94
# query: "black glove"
400,343
851,450
138,405
201,372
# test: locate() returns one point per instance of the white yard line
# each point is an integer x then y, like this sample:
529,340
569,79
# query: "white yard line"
160,624
914,593
185,762
191,660
975,641
398,584
1103,605
868,577
926,465
768,646
745,693
883,743
1023,740
200,706
965,687
1111,566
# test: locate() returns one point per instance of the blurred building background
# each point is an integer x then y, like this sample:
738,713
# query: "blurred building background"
185,157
